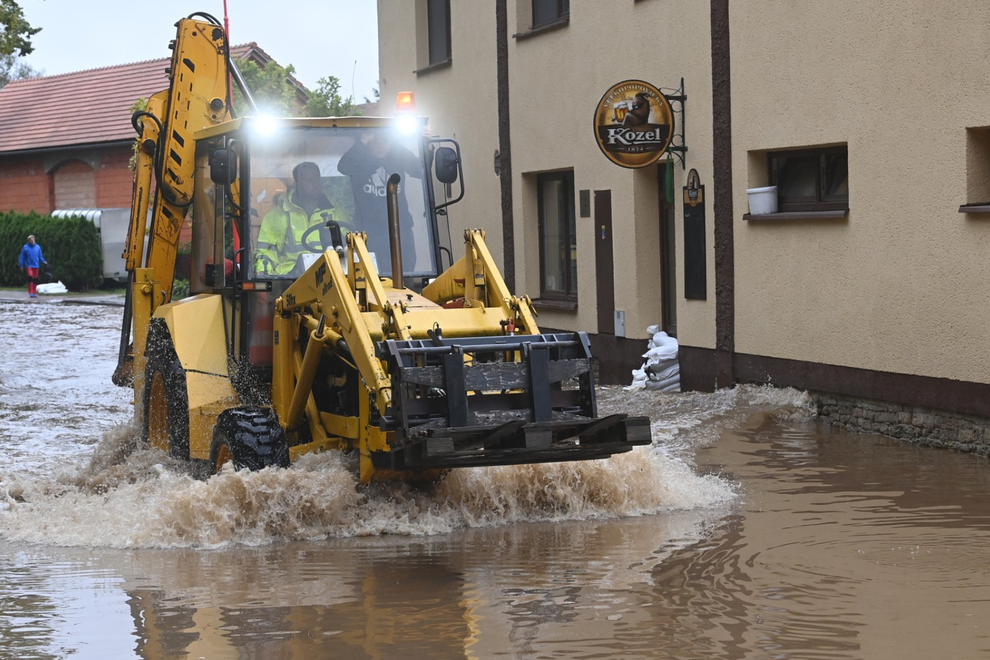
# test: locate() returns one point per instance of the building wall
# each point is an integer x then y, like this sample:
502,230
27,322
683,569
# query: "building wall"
459,100
556,80
552,107
901,284
75,185
114,179
24,185
87,178
890,300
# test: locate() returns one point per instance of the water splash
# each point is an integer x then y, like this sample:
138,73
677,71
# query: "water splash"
120,495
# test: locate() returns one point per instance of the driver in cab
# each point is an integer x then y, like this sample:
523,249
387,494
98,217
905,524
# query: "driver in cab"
280,239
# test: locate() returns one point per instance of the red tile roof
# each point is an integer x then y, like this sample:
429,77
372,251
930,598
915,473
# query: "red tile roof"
87,107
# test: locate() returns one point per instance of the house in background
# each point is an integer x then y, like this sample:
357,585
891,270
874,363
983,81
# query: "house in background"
65,140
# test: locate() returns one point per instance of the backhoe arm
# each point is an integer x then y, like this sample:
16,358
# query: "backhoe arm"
166,150
199,80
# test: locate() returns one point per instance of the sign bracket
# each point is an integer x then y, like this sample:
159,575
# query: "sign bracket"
677,99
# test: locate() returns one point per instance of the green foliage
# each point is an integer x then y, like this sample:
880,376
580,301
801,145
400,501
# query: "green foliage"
11,68
15,40
139,106
71,247
270,87
326,101
276,96
16,33
180,289
376,93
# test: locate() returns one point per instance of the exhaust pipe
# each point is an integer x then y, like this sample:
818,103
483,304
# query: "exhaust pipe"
392,200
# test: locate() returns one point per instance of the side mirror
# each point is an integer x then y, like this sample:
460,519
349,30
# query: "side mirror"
446,165
223,166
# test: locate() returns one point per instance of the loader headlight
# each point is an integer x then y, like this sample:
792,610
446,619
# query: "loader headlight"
264,125
405,110
407,124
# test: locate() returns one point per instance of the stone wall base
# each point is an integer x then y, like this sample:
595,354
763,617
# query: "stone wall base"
922,426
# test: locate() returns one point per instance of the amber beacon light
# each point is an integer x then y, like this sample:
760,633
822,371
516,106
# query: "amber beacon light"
405,104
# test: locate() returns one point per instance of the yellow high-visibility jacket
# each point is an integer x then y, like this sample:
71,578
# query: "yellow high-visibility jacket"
280,238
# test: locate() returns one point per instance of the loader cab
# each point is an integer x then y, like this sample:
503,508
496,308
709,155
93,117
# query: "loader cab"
270,196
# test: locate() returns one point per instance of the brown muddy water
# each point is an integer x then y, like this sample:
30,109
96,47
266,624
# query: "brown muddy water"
746,531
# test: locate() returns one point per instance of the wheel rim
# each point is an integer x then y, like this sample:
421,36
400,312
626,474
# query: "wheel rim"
224,456
158,414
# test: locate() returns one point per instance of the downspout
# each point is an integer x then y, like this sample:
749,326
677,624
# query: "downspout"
504,144
725,338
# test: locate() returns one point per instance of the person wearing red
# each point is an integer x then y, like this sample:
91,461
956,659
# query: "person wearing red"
30,261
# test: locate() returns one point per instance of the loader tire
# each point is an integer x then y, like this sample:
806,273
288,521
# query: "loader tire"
166,400
251,438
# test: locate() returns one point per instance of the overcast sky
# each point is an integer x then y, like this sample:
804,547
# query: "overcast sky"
319,37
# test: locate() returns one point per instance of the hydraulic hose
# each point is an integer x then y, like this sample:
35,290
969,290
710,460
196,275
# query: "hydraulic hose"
394,235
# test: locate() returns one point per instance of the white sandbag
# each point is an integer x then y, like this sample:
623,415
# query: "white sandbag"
674,380
659,353
667,382
675,387
638,381
664,347
657,372
663,339
52,287
652,330
659,365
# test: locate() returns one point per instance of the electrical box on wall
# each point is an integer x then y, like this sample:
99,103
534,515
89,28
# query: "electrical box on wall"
620,323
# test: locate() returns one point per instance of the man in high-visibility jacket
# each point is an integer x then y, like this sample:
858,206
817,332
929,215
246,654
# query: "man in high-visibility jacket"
282,228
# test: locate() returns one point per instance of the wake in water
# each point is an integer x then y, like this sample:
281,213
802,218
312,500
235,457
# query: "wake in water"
125,496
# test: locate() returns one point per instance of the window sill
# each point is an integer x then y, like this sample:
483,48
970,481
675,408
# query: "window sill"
563,305
546,27
799,215
433,67
983,207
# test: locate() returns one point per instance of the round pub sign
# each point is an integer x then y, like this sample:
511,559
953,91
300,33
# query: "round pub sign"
634,124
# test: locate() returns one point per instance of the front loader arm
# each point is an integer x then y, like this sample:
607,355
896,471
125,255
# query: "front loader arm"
324,291
476,278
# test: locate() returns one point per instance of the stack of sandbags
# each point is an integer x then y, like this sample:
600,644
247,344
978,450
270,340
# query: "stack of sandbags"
661,370
52,287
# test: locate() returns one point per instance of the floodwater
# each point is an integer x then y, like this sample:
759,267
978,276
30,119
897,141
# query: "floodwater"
746,531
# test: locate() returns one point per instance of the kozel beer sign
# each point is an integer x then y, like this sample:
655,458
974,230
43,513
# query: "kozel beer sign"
634,124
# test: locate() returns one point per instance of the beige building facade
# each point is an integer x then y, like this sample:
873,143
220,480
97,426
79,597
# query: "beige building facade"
872,120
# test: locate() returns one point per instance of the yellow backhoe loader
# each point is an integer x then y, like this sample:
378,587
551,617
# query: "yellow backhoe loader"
348,335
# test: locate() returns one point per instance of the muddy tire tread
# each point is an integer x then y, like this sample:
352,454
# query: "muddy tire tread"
162,358
254,436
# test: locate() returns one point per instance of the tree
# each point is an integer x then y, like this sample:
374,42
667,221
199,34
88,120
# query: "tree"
11,68
270,88
376,93
16,33
15,41
276,96
326,101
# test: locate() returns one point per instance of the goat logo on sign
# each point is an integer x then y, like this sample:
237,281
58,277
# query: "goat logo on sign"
634,124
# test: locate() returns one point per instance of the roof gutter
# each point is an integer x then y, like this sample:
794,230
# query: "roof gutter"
67,148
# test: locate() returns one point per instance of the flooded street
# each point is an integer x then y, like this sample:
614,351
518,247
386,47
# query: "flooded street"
746,531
